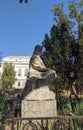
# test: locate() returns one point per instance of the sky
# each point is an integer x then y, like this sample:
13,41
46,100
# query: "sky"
22,26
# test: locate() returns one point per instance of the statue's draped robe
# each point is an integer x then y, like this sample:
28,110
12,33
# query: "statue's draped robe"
38,69
39,75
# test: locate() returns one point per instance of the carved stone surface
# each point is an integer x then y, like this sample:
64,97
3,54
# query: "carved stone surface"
37,99
39,103
45,108
42,93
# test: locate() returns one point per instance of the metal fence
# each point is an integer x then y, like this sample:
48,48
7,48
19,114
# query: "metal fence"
51,123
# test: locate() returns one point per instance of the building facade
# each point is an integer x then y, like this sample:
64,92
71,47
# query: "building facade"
21,66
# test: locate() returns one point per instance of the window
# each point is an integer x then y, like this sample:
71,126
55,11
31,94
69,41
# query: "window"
18,83
26,72
19,72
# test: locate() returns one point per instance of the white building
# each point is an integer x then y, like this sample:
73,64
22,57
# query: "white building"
21,66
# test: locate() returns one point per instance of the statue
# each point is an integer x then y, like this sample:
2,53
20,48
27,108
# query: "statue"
39,74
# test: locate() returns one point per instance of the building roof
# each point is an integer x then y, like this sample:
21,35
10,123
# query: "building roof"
17,58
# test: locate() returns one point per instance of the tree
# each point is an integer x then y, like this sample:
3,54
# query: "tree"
8,75
63,49
0,56
26,1
76,13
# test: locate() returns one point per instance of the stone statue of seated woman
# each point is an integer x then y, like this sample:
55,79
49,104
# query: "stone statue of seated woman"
39,74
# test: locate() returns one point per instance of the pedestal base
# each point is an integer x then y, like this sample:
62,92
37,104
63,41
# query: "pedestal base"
39,103
39,108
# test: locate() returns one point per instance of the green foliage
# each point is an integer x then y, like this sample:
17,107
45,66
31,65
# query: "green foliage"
20,125
50,125
67,109
79,108
8,76
63,48
70,107
0,56
2,101
26,1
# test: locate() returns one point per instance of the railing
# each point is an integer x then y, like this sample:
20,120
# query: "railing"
51,123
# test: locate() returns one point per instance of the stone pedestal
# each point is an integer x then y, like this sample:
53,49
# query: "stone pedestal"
39,103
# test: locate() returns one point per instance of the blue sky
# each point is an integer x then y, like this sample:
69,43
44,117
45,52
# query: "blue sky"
24,26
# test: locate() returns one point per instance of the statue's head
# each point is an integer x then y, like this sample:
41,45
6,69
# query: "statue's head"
37,50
